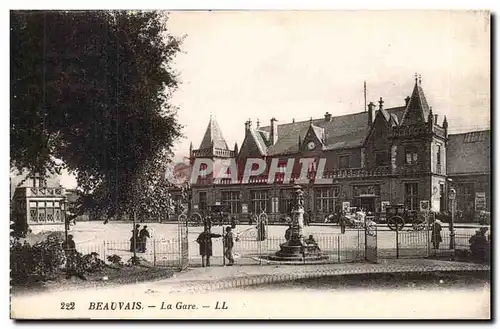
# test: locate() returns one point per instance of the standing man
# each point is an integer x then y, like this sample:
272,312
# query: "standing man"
342,223
205,242
436,234
228,246
143,237
261,230
72,268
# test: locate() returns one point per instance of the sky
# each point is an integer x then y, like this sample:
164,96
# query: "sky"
289,65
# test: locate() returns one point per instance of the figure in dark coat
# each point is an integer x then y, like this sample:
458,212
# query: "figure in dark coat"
143,237
205,242
436,234
135,237
342,223
261,231
228,246
72,268
479,245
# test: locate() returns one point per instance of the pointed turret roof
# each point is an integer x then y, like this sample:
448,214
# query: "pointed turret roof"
417,103
213,137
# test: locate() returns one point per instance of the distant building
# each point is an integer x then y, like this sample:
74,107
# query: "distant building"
37,204
373,158
468,168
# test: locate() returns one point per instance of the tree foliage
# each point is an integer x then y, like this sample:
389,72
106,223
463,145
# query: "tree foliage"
93,89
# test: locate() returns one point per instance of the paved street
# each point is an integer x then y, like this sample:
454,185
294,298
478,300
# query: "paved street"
205,285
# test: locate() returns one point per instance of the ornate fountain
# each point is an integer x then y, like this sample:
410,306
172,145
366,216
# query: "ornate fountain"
295,249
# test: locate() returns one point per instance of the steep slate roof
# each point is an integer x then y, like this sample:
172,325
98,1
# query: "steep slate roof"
418,101
16,178
259,140
345,131
319,132
213,136
468,153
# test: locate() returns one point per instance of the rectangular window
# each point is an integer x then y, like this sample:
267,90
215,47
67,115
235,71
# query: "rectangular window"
344,161
411,155
411,196
325,200
442,199
50,215
203,201
465,199
438,159
259,201
231,199
285,206
382,158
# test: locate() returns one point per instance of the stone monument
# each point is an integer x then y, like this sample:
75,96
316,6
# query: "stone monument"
296,249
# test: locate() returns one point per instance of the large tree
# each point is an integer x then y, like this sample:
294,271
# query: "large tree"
93,89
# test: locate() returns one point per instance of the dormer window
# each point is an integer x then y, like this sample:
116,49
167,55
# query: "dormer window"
381,158
344,161
411,156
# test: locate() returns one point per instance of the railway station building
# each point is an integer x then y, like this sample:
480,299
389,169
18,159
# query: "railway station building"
377,157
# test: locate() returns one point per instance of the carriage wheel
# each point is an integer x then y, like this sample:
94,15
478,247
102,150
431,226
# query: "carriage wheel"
396,223
418,223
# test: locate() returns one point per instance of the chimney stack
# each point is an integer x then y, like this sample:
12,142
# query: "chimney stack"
371,113
328,117
274,131
407,100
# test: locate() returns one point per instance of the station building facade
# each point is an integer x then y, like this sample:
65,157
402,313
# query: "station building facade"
378,157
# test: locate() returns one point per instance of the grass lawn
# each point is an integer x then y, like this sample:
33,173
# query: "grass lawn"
123,275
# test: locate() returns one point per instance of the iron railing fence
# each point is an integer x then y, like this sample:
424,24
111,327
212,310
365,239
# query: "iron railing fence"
337,248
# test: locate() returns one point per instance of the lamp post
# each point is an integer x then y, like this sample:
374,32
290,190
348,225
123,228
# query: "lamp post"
452,196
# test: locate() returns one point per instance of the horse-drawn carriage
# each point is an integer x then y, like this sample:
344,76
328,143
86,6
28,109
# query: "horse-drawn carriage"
213,215
398,215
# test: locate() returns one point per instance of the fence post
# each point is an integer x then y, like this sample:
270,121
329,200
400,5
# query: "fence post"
427,240
338,248
357,246
223,247
397,240
154,252
104,251
260,249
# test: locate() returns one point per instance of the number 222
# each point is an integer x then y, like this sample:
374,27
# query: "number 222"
67,306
